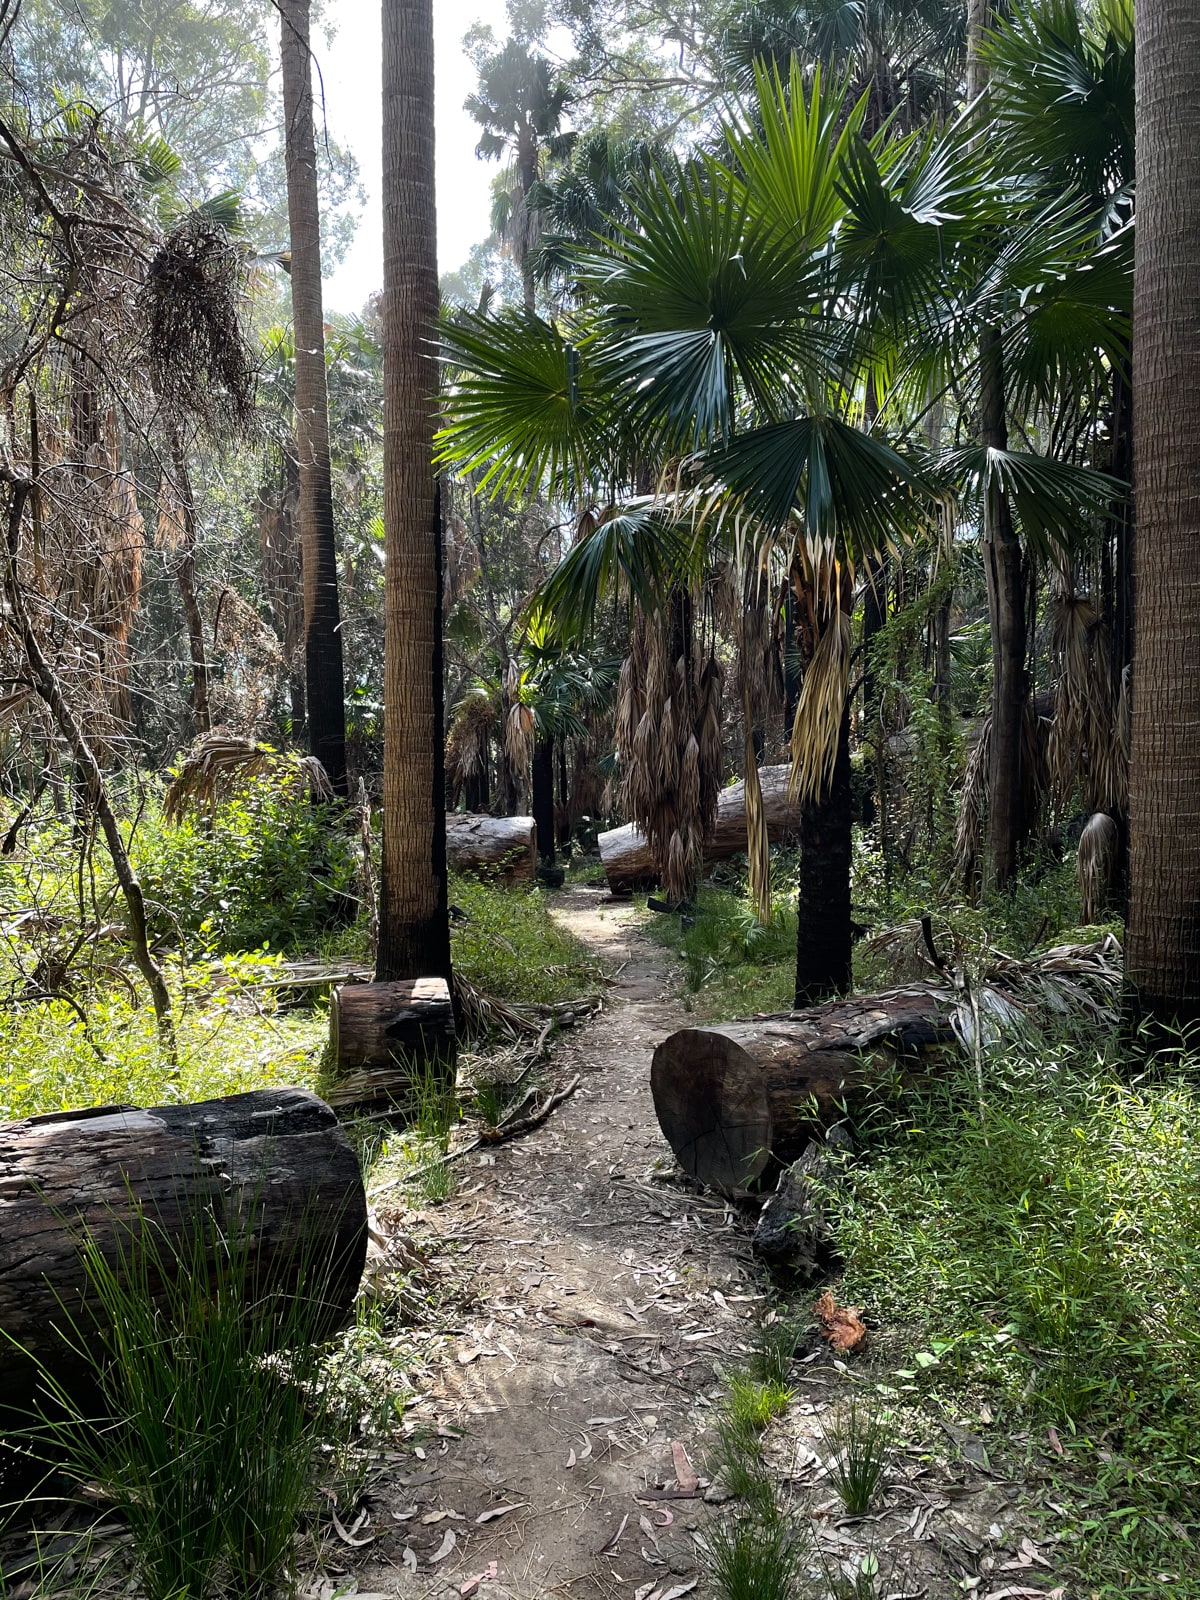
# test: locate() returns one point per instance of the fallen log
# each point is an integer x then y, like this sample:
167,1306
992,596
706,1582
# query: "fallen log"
386,1039
272,1168
504,848
629,862
733,1098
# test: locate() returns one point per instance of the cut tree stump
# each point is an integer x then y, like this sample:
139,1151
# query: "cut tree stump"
385,1039
275,1161
504,848
629,863
733,1098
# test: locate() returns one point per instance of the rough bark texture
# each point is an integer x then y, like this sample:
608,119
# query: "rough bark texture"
732,1098
1163,955
543,796
629,861
322,617
824,939
185,577
414,928
384,1036
500,847
794,1227
275,1161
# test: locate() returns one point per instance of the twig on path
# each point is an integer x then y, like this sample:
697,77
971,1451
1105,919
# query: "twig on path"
509,1130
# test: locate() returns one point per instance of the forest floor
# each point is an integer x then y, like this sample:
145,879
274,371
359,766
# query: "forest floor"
592,1307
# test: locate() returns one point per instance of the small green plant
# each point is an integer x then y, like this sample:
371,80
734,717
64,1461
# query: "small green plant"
750,1557
858,1439
754,1402
214,1406
775,1348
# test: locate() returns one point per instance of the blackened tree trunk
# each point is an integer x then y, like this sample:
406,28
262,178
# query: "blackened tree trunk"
185,577
1005,570
1163,956
543,795
823,940
322,616
414,925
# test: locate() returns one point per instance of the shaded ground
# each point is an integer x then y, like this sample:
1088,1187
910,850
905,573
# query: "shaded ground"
598,1301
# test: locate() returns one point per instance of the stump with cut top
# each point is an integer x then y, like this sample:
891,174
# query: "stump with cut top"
390,1042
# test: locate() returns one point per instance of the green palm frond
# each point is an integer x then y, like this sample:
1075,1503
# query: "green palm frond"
851,490
1052,501
699,298
790,150
523,408
639,550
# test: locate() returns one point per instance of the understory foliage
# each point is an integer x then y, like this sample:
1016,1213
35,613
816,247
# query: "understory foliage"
1041,1247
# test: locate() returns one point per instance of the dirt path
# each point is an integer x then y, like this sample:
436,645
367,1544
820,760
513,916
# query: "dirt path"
595,1306
599,1302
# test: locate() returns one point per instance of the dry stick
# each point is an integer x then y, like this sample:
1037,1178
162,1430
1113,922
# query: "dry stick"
506,1130
48,688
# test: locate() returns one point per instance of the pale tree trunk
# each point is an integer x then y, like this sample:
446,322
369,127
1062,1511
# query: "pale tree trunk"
414,928
322,617
1164,805
185,577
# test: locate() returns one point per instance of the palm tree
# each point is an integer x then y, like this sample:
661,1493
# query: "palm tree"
322,618
1164,820
414,928
520,105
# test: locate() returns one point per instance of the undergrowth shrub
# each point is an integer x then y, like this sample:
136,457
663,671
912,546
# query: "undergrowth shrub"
507,944
266,868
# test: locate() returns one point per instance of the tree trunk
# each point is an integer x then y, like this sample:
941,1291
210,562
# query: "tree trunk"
494,847
543,796
322,617
185,577
275,1162
629,861
414,932
824,948
385,1037
1163,959
1004,566
733,1098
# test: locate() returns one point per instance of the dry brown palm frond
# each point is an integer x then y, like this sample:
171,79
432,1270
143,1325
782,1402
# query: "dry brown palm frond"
1082,749
220,762
471,727
194,306
1096,866
972,808
758,844
818,723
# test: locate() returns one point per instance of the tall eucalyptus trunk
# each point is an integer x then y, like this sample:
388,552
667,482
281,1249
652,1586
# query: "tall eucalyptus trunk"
322,616
414,926
1163,955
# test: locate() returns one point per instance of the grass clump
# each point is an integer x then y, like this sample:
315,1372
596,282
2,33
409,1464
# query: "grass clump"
214,1409
754,1403
858,1439
750,1557
732,963
508,945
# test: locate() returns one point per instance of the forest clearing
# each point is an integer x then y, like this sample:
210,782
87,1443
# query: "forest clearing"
599,800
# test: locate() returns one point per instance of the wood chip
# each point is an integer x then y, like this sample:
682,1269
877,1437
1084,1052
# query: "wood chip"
686,1475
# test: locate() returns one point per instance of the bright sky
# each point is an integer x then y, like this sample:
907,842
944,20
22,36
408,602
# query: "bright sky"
351,72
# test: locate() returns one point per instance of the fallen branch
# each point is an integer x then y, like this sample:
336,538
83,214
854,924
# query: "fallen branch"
509,1130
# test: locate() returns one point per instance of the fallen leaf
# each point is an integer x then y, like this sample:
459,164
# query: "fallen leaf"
444,1549
607,1549
647,1591
493,1512
486,1576
1055,1441
686,1475
603,1422
465,1357
1016,1591
668,1517
840,1325
347,1535
587,1447
570,1460
409,1559
440,1516
679,1590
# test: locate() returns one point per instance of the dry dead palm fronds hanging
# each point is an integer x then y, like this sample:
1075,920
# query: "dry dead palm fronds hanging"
221,762
471,727
668,735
